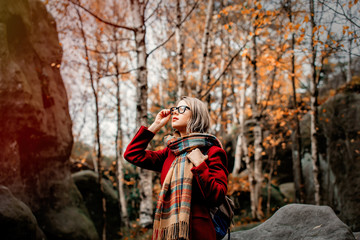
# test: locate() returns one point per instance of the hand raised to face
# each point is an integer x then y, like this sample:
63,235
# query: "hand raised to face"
163,117
160,120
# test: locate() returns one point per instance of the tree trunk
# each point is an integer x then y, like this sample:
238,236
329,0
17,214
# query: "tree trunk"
314,110
348,73
97,124
180,52
119,162
271,160
208,69
241,146
118,145
235,111
258,176
222,97
297,168
138,11
204,46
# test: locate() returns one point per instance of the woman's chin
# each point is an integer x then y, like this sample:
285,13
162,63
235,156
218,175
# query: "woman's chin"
177,128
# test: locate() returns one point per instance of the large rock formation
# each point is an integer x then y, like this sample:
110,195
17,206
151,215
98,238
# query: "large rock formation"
15,216
35,132
339,145
87,182
299,221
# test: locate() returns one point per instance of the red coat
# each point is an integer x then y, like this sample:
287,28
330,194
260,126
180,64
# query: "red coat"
209,184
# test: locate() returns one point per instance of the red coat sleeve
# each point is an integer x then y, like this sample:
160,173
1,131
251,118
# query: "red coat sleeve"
137,154
211,176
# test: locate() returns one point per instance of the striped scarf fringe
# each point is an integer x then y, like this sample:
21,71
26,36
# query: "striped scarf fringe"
179,230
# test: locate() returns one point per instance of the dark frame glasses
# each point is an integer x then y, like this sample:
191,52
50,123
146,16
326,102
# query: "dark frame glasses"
180,109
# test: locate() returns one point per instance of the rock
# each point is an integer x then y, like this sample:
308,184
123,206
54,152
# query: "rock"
68,223
17,220
36,128
67,218
299,221
87,183
339,155
339,120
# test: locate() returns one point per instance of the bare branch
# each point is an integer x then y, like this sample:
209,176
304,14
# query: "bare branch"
109,52
162,44
121,73
223,72
101,19
172,34
157,7
341,14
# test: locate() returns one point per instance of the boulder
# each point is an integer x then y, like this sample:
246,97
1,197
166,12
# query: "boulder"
299,221
16,215
36,129
69,223
339,145
87,183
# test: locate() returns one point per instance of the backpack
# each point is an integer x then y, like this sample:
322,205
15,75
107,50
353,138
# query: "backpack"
222,217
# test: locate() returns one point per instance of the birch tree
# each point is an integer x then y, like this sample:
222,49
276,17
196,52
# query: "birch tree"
119,133
297,168
256,182
204,46
180,51
137,11
320,52
241,150
95,91
313,107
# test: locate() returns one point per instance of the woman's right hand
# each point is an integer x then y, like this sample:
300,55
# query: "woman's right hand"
160,120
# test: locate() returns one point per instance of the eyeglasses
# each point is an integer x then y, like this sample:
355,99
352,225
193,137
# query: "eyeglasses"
180,109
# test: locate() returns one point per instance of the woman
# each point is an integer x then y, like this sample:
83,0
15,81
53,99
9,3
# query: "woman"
193,169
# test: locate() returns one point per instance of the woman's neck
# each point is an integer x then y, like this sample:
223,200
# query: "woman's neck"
182,132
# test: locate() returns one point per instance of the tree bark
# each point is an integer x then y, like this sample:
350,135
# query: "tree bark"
258,176
180,52
241,146
208,68
204,46
297,167
118,144
271,161
348,73
97,124
137,12
314,110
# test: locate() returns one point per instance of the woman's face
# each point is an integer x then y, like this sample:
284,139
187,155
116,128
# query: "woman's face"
180,120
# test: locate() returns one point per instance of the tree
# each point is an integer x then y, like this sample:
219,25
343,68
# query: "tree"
204,46
137,10
346,10
297,168
95,91
241,150
119,133
180,51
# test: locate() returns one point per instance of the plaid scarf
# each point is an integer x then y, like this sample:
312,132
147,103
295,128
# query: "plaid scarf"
172,213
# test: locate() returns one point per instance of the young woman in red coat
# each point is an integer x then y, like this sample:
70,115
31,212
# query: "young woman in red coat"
193,169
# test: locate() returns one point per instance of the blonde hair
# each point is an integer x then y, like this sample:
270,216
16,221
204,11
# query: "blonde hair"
200,117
